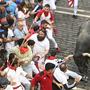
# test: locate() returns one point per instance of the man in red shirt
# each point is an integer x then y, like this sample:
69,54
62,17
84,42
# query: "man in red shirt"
44,14
45,78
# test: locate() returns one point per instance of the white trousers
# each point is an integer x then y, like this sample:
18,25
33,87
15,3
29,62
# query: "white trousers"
31,68
50,37
75,7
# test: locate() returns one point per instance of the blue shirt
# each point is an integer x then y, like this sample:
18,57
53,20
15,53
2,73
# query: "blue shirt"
20,34
12,7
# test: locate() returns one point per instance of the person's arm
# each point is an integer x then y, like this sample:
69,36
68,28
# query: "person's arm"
52,19
34,11
10,39
68,57
68,87
34,81
37,16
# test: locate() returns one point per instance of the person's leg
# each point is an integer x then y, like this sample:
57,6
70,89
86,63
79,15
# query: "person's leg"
50,36
75,8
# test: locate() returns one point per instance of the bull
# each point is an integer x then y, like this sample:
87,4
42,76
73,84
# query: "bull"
82,50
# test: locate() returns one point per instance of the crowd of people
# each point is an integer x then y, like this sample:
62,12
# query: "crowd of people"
24,48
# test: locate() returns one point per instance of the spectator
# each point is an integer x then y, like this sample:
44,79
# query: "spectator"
45,25
24,54
37,8
41,47
44,14
20,31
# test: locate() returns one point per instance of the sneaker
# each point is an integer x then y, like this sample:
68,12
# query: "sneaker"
75,16
58,50
85,78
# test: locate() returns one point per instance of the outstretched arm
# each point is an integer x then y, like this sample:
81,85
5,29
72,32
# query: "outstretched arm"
68,58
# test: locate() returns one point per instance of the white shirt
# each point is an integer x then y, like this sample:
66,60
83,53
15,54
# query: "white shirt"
40,46
12,77
9,45
60,76
21,75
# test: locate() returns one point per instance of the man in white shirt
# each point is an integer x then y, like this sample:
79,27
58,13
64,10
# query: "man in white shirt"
42,45
62,74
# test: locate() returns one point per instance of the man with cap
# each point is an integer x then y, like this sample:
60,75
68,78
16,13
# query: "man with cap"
45,78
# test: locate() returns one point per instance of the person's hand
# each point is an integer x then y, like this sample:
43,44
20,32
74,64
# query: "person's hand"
77,79
1,40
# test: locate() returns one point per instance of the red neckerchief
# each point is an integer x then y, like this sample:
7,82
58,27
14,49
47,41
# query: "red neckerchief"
45,13
31,32
12,67
1,68
23,49
52,57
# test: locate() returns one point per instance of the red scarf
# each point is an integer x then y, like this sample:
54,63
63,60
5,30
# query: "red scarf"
23,49
12,67
52,57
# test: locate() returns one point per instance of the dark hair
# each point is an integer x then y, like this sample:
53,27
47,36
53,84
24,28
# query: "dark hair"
63,67
44,22
20,41
31,42
3,54
3,58
11,56
47,5
40,0
49,66
35,27
10,21
53,52
20,7
15,62
4,82
44,31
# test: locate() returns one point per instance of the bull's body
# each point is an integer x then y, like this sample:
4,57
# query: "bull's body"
83,46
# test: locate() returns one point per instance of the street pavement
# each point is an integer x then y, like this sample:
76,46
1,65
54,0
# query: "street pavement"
68,29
